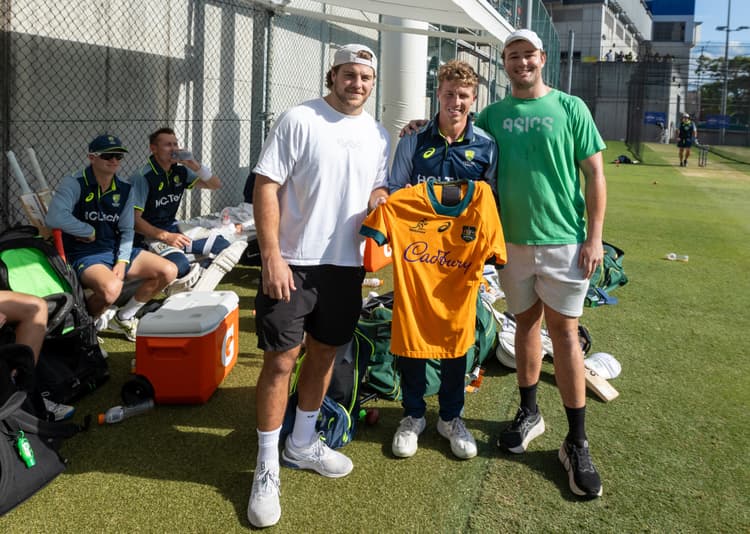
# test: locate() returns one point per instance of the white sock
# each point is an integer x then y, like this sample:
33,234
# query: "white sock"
130,308
304,427
268,448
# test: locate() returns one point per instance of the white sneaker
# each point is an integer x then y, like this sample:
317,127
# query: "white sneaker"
462,442
317,456
102,322
59,411
264,508
405,439
129,327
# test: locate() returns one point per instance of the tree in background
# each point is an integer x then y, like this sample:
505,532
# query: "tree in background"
738,87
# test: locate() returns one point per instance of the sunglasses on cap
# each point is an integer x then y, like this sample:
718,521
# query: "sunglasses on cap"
109,155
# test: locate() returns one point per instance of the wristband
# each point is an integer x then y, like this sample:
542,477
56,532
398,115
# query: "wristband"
204,173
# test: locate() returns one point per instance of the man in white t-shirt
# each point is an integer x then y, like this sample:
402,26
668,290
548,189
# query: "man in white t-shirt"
323,166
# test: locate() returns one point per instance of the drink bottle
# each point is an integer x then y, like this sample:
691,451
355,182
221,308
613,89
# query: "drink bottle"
118,413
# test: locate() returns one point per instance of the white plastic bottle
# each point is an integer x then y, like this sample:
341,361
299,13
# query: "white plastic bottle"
118,413
372,282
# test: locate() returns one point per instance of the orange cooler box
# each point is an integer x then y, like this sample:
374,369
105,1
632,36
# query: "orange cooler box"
189,345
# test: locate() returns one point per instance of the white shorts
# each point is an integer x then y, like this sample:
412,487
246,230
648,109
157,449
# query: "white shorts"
549,273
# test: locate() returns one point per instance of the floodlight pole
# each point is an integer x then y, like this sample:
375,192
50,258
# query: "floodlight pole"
726,77
725,92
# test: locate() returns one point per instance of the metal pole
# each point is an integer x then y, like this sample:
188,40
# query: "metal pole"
726,77
529,13
571,40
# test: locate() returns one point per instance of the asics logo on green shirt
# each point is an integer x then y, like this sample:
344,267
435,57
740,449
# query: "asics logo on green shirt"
525,124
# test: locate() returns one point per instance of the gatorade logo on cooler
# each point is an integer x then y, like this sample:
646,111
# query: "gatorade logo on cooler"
227,347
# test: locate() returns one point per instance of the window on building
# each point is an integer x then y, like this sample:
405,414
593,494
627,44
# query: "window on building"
669,31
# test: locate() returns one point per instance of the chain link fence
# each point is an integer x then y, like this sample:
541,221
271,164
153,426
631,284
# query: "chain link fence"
219,72
74,69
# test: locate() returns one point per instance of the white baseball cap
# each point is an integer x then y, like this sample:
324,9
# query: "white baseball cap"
351,54
525,35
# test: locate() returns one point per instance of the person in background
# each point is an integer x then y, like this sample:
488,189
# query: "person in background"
94,209
159,188
687,135
323,165
448,148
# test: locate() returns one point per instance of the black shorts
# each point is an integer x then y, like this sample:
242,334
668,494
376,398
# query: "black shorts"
685,143
326,305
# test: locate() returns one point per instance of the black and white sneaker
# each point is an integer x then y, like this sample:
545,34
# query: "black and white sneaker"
525,427
582,475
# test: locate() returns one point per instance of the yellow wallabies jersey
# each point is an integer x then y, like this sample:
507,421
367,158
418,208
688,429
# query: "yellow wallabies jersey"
439,253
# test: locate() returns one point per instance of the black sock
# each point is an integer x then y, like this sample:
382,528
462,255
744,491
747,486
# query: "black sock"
528,398
576,424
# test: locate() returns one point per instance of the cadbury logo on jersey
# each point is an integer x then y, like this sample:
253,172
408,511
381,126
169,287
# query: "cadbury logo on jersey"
419,252
469,233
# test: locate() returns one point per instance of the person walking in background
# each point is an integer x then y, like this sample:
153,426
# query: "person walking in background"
323,165
687,134
94,209
446,149
544,136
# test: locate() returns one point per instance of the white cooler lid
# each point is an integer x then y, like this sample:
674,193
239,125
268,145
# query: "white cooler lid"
192,314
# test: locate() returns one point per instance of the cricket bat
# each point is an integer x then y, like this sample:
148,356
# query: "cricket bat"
44,193
32,205
600,386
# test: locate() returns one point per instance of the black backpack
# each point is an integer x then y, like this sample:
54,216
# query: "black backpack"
71,362
23,434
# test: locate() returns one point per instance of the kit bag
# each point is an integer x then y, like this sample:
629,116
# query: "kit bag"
383,375
29,458
339,414
71,362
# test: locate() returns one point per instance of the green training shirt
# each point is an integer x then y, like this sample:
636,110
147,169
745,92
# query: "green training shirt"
540,142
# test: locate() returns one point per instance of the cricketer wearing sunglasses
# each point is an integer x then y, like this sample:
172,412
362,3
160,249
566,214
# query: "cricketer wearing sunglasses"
94,209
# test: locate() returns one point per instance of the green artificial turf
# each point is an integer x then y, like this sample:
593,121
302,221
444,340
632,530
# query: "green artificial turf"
672,449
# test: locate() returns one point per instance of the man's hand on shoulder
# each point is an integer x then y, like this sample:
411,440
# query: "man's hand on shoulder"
413,127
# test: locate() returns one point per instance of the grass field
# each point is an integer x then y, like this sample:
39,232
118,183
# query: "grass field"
672,449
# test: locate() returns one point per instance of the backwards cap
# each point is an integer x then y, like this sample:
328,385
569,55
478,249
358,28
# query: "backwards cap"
351,54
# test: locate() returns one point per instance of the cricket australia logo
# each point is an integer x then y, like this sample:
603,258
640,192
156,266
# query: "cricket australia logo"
420,226
469,233
116,200
469,155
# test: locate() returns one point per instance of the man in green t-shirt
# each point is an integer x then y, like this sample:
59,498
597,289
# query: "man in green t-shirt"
544,138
